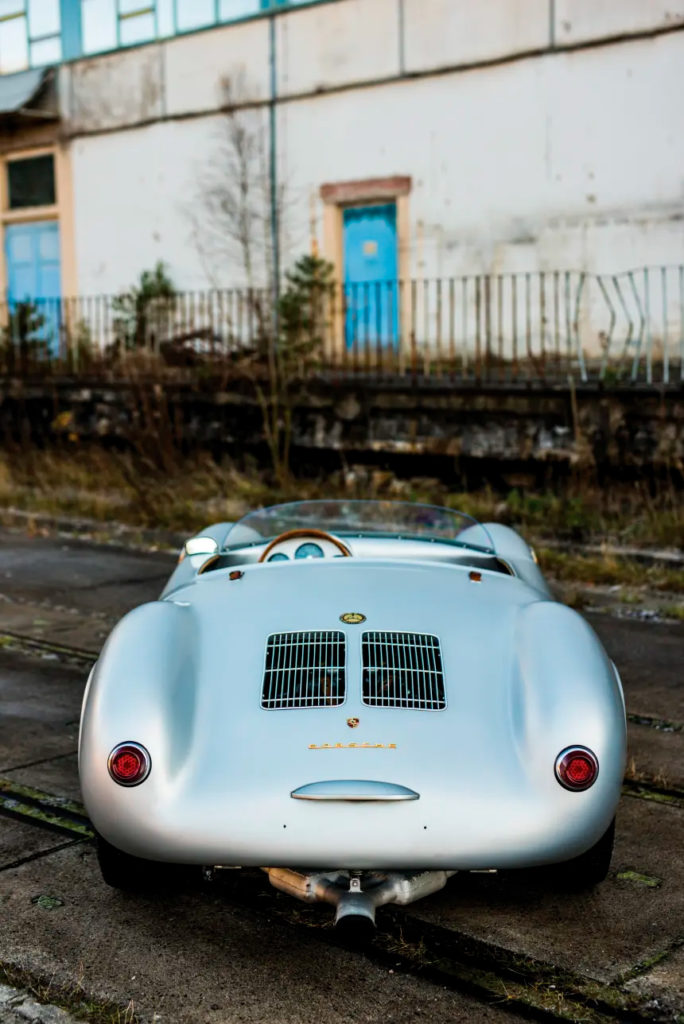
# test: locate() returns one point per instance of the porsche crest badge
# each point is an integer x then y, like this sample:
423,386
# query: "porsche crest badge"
352,618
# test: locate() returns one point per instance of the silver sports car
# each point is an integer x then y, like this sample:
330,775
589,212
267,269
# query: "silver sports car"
360,697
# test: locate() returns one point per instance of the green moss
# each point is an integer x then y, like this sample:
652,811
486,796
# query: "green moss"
650,881
70,997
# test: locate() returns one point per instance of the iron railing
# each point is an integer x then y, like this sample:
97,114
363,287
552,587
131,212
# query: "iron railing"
543,326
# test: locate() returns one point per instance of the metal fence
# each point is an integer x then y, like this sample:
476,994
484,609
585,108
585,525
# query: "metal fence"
529,327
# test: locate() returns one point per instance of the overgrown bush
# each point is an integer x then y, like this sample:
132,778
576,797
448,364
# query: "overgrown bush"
141,312
23,342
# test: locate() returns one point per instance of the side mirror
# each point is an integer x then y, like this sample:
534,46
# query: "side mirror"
199,546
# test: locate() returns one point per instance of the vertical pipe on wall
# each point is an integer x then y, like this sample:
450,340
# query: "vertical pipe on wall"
402,38
273,175
72,37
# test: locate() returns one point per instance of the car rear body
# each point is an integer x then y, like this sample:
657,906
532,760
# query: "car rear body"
189,678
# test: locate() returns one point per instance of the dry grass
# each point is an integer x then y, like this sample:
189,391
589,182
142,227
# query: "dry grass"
608,570
186,492
68,995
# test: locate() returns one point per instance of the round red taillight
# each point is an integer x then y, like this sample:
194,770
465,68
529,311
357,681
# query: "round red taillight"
576,768
129,764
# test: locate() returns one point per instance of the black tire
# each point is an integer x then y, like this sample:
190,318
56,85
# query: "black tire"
591,867
133,874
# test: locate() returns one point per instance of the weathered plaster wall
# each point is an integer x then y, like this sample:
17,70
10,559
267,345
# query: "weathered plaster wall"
531,159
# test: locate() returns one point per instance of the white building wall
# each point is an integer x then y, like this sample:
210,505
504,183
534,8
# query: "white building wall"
328,46
562,160
547,157
580,21
464,33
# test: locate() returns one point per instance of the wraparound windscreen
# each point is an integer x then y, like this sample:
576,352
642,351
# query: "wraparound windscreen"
397,519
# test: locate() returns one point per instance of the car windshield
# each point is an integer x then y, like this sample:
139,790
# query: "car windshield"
396,519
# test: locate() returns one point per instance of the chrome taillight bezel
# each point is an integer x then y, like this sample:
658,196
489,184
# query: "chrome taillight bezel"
142,753
560,767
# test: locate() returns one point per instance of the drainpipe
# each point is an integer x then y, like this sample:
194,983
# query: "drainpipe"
70,15
273,174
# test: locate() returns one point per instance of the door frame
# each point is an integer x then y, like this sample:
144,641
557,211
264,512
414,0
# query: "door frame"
338,196
62,211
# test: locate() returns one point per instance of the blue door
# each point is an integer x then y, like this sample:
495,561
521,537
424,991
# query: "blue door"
370,276
33,274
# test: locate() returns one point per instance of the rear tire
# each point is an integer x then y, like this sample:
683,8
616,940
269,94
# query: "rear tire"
133,874
591,867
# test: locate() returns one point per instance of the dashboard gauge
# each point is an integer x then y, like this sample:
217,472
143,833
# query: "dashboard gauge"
279,556
309,550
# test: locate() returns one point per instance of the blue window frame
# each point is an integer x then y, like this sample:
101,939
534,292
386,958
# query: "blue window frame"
30,34
109,24
37,33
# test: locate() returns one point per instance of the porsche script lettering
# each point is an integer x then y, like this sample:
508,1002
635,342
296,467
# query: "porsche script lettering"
352,746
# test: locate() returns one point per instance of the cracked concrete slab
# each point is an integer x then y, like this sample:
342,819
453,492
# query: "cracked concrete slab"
19,841
662,985
649,659
601,933
194,959
655,756
68,626
58,776
89,577
40,700
212,957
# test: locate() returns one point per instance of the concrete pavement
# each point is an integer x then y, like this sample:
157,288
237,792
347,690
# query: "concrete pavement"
241,952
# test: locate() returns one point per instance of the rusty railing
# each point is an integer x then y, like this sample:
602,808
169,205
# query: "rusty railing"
546,326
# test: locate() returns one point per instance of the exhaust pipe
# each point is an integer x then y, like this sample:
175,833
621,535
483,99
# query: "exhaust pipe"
355,894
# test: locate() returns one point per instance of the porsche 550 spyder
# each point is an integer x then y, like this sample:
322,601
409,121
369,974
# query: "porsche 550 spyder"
361,698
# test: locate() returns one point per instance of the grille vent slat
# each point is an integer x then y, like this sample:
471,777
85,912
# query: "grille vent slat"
304,670
403,670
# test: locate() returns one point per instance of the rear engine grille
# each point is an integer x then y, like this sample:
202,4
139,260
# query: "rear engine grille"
304,670
403,670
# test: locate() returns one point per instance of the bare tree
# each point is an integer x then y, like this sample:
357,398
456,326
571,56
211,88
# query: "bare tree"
231,214
232,230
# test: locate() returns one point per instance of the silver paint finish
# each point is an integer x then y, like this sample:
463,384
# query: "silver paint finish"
525,678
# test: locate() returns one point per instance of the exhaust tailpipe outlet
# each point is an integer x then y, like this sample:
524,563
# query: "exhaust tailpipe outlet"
355,905
355,908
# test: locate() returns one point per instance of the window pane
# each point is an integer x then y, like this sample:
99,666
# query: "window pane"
194,13
134,6
43,18
13,45
99,25
11,7
31,182
230,9
47,51
165,26
136,30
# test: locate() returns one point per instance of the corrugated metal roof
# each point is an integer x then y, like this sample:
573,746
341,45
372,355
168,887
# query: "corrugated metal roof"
18,91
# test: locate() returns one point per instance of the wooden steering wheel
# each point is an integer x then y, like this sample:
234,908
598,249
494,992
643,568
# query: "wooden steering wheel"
316,534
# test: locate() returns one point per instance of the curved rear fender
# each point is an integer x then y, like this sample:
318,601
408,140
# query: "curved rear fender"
510,546
142,689
566,692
